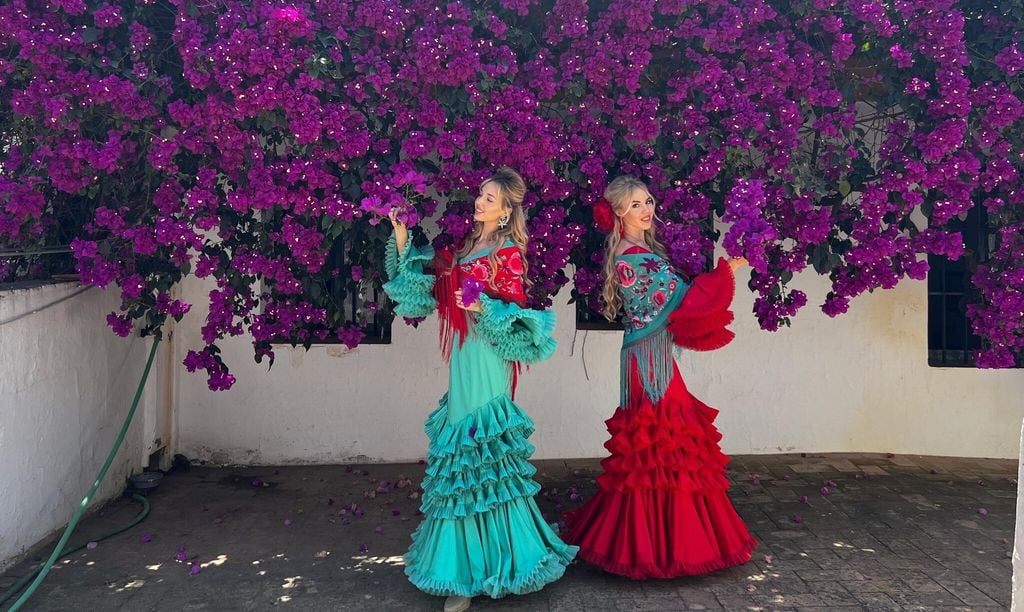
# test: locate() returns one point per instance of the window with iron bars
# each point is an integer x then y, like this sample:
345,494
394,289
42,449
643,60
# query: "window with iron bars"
347,299
951,343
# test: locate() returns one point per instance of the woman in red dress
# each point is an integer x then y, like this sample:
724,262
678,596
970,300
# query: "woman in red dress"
661,509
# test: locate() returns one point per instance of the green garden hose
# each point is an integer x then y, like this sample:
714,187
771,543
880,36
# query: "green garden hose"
58,551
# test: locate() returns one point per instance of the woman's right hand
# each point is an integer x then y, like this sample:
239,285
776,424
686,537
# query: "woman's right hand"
401,231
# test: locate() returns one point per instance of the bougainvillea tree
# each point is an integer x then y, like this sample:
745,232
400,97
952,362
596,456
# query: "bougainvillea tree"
258,144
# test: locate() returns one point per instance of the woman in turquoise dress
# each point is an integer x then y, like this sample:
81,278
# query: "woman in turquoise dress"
482,532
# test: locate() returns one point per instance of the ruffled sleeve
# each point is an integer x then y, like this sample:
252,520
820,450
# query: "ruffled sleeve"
699,322
517,333
409,286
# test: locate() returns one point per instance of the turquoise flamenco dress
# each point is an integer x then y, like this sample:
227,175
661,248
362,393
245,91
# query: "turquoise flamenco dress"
482,532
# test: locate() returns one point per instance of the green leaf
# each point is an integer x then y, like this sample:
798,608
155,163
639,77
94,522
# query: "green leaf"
844,188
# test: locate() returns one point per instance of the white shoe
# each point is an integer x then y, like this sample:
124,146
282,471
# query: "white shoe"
457,603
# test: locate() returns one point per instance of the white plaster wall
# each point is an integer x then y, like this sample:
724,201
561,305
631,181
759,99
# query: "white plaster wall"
858,383
1017,583
66,383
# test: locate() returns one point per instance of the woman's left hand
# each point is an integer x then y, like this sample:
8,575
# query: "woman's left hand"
474,307
737,262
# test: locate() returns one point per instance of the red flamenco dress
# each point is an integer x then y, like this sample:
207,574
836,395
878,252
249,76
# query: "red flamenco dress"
661,509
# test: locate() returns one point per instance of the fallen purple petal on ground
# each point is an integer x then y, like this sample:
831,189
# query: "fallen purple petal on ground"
146,538
363,548
195,568
396,513
796,518
804,499
91,545
983,511
378,529
287,522
825,491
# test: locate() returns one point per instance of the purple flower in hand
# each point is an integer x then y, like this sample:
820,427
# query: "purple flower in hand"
471,290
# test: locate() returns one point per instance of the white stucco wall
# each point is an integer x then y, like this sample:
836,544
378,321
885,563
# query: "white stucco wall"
858,383
66,383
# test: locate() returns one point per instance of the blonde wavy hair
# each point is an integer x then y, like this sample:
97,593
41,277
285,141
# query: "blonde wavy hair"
512,189
617,195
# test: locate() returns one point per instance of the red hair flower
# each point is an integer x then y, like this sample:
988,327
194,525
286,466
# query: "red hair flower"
604,217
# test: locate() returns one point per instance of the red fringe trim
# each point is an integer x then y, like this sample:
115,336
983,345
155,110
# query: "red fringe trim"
452,318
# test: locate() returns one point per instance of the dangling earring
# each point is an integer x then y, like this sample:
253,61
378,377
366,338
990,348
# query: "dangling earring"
503,221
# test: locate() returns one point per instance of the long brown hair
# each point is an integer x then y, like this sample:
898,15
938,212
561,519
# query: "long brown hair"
617,195
512,189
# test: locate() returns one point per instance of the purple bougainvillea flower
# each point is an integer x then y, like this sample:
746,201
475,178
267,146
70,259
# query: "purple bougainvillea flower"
804,499
195,568
825,491
983,511
796,518
471,290
146,538
363,548
182,554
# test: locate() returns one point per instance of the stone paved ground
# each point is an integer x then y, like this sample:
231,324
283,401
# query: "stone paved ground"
895,533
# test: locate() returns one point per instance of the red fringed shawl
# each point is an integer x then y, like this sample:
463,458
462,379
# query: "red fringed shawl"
507,286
